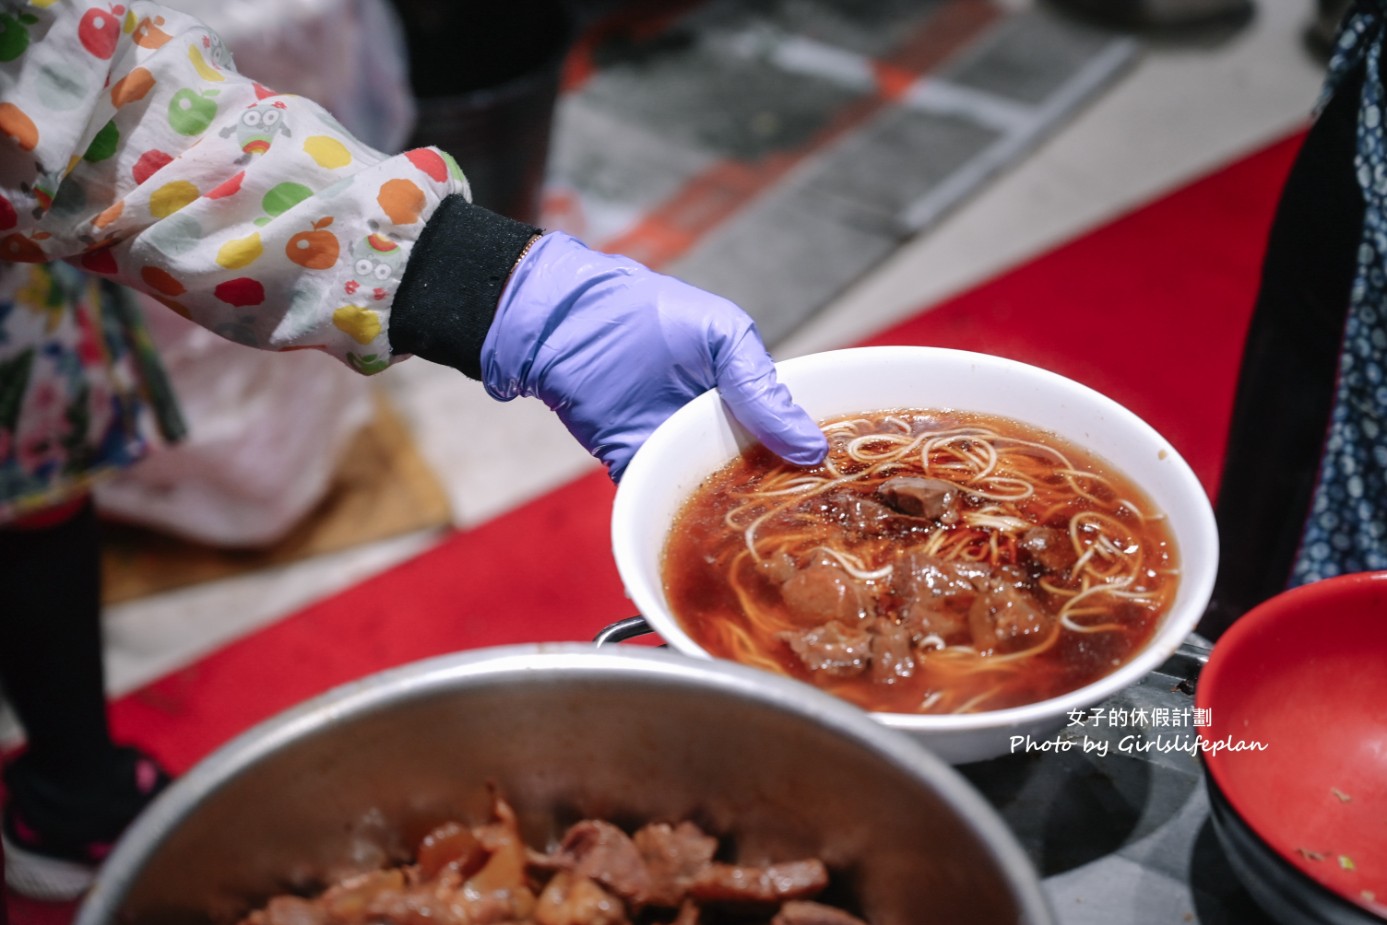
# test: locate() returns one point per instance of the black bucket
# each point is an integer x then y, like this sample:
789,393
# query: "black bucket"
486,82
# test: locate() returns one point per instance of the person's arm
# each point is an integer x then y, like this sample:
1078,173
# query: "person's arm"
612,347
131,147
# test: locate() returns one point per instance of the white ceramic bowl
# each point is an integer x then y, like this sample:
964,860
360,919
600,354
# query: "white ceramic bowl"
702,437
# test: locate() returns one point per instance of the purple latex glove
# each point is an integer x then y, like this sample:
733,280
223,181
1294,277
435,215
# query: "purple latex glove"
615,348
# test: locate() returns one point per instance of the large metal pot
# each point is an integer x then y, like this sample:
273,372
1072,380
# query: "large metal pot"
567,731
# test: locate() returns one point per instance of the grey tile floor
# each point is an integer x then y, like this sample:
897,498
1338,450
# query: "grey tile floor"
731,93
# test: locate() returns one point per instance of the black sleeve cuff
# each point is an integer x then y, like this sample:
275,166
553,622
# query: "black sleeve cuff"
452,283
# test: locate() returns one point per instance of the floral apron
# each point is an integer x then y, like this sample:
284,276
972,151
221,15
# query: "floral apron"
77,370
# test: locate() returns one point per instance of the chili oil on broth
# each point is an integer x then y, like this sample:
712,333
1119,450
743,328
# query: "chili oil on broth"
1046,570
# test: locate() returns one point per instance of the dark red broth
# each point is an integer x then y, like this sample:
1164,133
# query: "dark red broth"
1015,568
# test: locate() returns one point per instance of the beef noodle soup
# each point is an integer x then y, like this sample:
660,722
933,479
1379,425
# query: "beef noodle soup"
936,562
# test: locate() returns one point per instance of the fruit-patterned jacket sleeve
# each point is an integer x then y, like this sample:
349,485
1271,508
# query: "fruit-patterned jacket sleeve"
131,147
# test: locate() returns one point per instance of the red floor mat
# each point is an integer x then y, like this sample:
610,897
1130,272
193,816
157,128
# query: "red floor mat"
1150,309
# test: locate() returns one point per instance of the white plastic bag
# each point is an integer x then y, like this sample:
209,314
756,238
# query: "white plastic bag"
266,434
267,430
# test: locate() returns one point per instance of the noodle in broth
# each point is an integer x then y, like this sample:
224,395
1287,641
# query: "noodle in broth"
936,562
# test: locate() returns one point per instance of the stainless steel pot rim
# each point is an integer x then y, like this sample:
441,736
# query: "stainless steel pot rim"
499,665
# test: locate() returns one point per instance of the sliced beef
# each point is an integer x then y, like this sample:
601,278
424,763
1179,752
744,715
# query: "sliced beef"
823,591
601,851
858,513
935,499
569,899
893,657
289,910
917,574
597,875
674,856
946,618
738,884
834,649
435,903
1051,548
935,594
501,908
1013,575
1002,617
380,894
803,912
779,567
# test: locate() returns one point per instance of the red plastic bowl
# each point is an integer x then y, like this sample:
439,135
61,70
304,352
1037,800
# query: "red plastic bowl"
1295,701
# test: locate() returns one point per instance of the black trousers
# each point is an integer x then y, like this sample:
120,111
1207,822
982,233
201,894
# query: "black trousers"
51,668
1289,367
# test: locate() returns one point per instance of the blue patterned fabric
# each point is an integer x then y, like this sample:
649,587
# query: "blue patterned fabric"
1347,527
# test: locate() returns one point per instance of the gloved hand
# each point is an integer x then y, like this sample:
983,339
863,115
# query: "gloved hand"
615,348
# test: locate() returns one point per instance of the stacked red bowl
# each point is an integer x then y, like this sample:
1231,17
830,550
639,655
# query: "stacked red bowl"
1295,701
